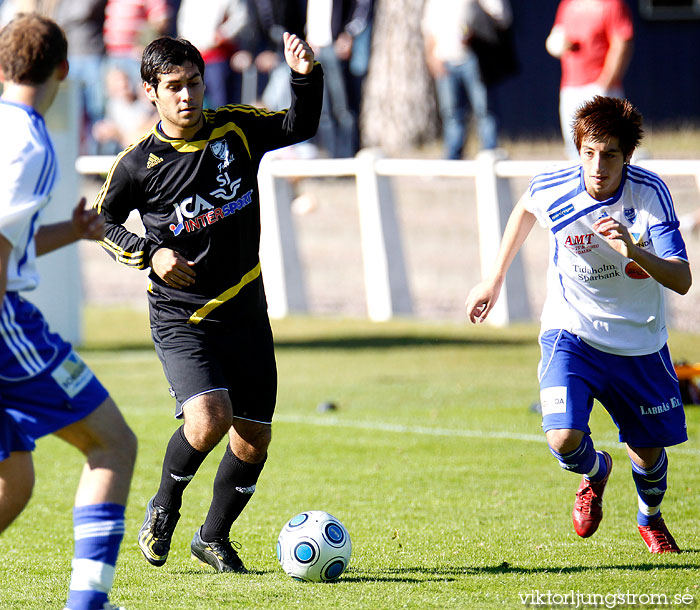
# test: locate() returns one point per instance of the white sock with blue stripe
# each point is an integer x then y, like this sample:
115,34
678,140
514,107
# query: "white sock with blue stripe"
99,529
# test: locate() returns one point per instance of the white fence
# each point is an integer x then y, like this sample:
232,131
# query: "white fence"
387,286
59,295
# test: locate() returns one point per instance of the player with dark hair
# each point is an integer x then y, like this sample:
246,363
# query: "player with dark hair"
615,245
193,180
45,387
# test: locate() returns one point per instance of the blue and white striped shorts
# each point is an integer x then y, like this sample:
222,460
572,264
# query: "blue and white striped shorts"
44,384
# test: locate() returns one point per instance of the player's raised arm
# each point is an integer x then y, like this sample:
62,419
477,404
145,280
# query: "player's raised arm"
298,54
484,295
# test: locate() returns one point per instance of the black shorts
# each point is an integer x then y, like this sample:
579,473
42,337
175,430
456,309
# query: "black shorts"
239,358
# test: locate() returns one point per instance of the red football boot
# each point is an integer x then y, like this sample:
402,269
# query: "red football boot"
657,537
588,507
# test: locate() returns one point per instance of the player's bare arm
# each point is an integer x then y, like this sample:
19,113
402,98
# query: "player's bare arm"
484,295
298,54
173,268
672,273
83,224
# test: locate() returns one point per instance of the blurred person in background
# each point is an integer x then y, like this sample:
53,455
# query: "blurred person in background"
129,26
331,26
358,65
127,117
264,54
594,41
215,32
264,49
448,26
83,22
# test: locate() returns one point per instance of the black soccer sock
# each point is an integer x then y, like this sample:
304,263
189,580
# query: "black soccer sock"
180,464
234,485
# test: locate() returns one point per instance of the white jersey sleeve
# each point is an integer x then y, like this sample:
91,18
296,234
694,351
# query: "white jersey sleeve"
29,169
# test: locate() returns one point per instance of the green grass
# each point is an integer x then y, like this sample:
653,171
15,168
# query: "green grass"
433,461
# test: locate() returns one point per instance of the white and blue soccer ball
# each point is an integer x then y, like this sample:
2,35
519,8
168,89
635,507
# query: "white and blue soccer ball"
314,546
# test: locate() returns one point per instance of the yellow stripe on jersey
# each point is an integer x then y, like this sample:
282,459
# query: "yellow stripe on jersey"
184,146
97,205
130,259
204,311
242,108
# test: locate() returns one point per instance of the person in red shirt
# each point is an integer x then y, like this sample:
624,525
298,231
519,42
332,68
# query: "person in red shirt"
594,41
128,27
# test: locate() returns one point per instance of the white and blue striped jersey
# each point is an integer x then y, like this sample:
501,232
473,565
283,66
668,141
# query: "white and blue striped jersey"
29,172
592,290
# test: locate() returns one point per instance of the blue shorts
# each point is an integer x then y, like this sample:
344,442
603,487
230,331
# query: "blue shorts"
57,390
640,393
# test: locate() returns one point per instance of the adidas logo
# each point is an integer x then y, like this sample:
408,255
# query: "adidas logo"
153,161
179,479
248,491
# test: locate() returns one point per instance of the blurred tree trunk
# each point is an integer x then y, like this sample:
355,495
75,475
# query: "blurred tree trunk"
398,107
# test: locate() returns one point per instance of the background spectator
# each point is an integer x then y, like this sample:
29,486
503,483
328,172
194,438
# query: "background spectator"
593,40
447,27
128,115
215,33
269,20
331,26
83,22
129,26
359,57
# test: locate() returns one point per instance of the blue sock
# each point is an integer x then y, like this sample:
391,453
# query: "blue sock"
651,487
99,529
583,460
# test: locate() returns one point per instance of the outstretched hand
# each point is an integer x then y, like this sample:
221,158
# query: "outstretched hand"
87,223
298,54
481,300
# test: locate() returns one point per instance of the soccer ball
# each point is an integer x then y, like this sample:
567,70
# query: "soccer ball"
314,546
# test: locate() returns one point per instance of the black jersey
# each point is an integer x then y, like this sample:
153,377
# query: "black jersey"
200,198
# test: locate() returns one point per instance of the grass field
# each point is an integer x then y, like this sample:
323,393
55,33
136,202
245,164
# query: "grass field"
433,461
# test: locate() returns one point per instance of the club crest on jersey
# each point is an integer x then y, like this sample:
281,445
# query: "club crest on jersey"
219,149
630,214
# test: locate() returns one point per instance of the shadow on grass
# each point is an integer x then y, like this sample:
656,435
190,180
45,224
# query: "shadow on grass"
421,574
450,573
339,342
116,346
389,342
